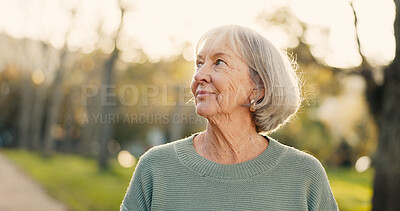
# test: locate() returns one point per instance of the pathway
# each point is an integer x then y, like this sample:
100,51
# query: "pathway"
18,192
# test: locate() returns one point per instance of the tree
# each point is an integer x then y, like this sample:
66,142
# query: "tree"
108,79
384,103
55,101
48,64
56,94
383,100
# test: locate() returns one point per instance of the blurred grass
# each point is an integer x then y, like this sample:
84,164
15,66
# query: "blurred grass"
75,180
78,182
352,190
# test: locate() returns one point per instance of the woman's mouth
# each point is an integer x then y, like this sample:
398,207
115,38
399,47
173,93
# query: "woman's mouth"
201,94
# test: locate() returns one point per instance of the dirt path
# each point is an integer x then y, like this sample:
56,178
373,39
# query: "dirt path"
18,192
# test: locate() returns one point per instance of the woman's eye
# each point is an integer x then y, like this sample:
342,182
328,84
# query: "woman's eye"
199,65
219,62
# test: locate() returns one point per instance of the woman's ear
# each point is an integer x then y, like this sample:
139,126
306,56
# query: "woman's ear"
261,94
257,94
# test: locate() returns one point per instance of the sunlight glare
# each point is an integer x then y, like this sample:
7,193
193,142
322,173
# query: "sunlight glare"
160,28
375,31
187,53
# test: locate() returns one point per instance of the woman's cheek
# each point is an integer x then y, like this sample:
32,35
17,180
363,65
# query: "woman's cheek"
193,87
221,103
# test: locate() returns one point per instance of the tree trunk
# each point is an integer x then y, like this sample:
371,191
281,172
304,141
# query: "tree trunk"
24,110
387,157
107,128
69,123
37,116
90,129
56,97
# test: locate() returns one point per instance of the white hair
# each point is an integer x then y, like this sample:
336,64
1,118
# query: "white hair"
269,69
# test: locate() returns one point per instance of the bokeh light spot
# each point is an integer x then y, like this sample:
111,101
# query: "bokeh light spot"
126,159
38,77
363,163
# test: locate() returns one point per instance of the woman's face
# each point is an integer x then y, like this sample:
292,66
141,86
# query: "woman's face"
221,83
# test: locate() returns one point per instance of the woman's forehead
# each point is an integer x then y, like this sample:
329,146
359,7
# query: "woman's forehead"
215,46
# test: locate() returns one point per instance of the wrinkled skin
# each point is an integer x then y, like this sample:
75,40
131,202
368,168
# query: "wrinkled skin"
226,79
221,86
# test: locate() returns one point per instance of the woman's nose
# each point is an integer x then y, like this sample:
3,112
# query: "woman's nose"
203,74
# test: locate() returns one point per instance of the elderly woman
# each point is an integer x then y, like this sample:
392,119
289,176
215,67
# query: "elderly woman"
244,87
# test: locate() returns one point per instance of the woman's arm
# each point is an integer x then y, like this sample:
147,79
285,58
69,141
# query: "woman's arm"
320,196
139,193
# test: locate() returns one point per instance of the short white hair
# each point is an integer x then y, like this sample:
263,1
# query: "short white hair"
269,69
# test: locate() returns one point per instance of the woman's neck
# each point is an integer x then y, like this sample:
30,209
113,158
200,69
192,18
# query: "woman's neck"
230,139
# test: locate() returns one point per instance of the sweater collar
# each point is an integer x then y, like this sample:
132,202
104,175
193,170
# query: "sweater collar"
262,163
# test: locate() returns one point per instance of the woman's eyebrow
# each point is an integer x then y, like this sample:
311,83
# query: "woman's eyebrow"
218,54
199,57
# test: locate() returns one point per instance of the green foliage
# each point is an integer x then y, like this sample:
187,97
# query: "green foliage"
307,134
77,182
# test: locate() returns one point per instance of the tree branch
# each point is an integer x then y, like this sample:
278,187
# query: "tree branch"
373,90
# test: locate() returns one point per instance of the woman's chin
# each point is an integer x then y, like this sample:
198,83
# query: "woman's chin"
205,111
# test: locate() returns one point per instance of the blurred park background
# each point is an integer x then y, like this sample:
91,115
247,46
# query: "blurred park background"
86,87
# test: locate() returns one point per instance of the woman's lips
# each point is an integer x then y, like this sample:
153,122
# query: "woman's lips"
201,94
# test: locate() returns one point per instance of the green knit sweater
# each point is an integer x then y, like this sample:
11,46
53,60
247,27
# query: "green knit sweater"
174,176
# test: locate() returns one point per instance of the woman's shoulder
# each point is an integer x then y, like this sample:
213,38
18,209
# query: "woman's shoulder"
302,161
162,152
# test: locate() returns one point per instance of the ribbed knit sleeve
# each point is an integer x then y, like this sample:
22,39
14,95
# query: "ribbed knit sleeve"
320,196
139,193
